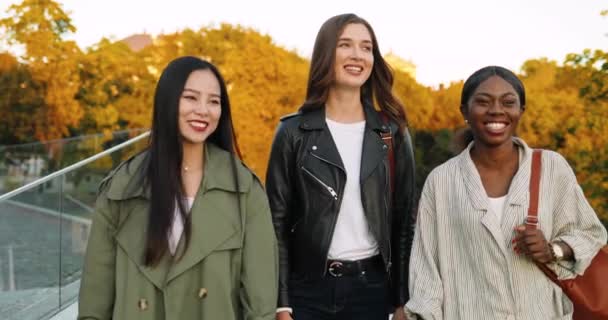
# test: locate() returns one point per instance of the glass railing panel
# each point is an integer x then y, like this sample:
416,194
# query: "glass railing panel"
43,237
21,164
80,189
30,233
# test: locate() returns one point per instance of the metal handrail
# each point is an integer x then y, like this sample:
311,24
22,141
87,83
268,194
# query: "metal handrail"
76,165
71,139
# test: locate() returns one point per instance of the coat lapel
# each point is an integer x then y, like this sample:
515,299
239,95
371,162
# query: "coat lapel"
131,237
328,152
479,199
374,149
213,225
519,191
215,218
517,196
123,184
373,152
520,186
472,181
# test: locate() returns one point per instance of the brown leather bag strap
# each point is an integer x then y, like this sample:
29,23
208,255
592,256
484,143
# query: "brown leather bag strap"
532,218
387,137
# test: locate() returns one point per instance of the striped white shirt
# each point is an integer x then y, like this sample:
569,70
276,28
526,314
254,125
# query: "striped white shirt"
463,265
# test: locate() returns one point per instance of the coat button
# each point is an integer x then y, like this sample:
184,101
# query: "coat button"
314,148
142,304
202,293
384,128
384,147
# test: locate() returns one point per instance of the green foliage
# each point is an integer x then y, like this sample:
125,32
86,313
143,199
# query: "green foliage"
432,148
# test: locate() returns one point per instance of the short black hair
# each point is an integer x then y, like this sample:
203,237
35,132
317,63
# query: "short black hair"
481,75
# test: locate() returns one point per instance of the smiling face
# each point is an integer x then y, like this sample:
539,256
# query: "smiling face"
199,107
493,112
354,57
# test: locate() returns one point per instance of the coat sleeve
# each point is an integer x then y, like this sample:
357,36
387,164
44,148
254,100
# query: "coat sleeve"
97,285
574,222
425,286
403,211
259,274
279,189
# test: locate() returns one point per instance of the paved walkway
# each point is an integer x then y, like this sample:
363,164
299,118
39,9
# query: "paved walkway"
31,240
68,313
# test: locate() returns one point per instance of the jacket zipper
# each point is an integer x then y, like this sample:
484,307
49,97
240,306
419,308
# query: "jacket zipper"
386,207
327,161
331,190
293,227
333,228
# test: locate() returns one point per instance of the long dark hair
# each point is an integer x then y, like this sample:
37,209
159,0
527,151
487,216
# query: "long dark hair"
464,136
378,88
162,172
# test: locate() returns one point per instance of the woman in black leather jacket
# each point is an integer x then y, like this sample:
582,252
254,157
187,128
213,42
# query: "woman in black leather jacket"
344,239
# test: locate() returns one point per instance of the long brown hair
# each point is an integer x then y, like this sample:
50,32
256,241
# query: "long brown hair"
377,89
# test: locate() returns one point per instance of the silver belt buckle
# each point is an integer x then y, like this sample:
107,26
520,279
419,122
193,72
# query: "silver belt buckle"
335,269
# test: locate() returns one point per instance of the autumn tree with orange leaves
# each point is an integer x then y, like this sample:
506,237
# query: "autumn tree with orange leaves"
56,90
39,26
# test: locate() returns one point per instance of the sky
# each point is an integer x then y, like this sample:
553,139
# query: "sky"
447,40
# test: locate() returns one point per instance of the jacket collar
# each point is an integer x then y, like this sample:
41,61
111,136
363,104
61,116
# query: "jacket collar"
124,183
315,118
374,148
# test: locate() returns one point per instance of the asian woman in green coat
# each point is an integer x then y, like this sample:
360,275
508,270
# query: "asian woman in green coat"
183,229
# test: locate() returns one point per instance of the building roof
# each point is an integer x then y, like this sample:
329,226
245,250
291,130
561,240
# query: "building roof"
138,41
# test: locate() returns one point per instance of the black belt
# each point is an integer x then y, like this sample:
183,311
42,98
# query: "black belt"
339,268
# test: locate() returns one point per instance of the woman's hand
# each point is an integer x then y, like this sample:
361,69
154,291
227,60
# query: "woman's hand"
399,314
533,244
284,315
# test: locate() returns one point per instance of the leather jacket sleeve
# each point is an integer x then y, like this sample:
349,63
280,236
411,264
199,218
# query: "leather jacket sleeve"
404,216
279,190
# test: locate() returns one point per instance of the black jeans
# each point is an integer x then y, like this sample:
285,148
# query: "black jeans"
354,297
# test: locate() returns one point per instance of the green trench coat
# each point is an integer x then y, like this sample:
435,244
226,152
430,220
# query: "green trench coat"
229,271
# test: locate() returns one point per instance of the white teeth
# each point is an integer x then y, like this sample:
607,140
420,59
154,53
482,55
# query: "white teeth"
495,125
354,68
201,125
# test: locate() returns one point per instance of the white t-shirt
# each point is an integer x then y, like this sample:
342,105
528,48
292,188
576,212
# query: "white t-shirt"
497,206
177,228
352,238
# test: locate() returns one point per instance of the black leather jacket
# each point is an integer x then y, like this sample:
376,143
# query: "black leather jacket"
305,183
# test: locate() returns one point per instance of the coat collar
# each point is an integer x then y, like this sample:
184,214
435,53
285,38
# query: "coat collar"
215,220
518,191
125,184
517,195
